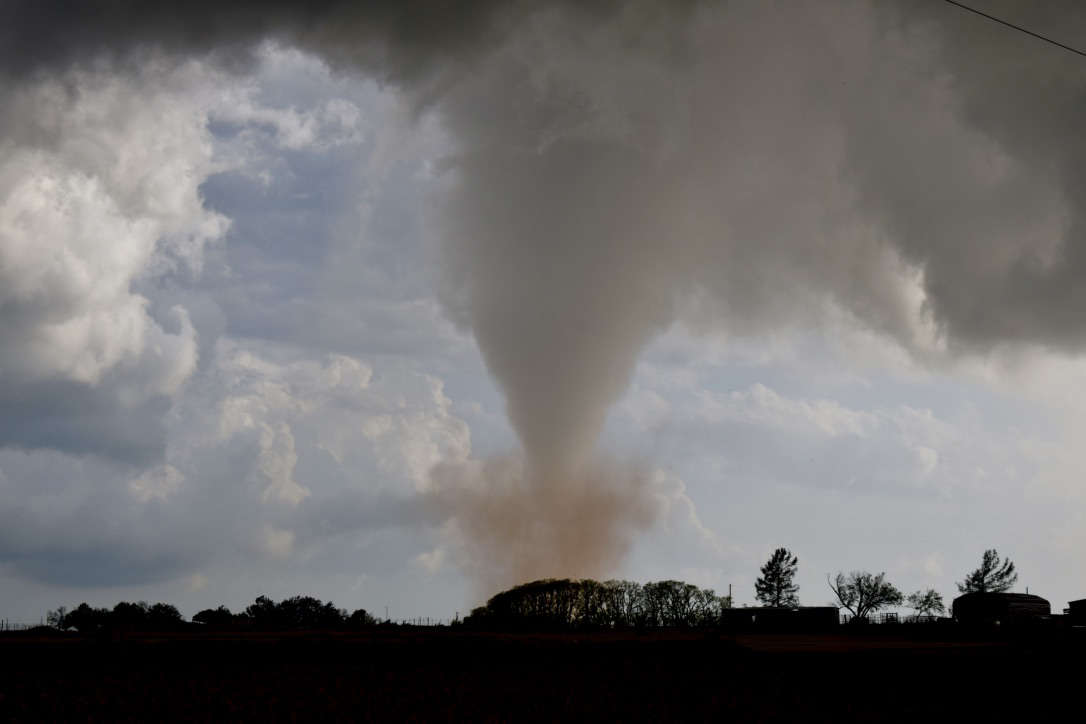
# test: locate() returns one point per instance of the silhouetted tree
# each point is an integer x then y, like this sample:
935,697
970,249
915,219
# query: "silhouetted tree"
993,576
164,615
298,612
220,616
592,609
680,603
479,616
564,603
360,619
86,619
544,603
625,601
926,603
140,615
776,586
652,605
708,607
309,612
129,615
263,612
863,593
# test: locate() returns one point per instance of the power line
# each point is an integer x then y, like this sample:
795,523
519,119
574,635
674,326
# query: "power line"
1017,27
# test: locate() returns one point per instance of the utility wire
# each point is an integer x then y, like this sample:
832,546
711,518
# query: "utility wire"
1017,27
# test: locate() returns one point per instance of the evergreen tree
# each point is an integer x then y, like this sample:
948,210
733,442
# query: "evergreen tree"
993,576
776,586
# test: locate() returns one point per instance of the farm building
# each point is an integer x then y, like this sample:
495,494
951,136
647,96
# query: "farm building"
999,608
1076,612
803,618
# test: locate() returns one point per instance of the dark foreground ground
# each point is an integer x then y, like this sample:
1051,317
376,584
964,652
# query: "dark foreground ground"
448,675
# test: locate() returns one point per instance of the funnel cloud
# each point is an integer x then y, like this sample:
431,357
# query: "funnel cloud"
742,166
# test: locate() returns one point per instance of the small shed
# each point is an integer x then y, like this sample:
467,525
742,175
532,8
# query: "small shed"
999,608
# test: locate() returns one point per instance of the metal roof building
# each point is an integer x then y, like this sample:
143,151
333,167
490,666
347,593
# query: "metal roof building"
999,608
1076,610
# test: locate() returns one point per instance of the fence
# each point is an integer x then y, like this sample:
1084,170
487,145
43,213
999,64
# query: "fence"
424,621
892,618
876,619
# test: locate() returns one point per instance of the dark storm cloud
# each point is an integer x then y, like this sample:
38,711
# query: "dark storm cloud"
71,521
941,222
80,564
396,39
82,420
1004,251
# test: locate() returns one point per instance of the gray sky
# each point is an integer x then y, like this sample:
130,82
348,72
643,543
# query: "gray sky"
395,309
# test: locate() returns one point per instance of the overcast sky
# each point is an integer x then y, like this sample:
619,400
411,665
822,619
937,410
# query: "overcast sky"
396,309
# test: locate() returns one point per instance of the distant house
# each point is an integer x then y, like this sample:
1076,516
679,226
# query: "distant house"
999,608
1076,612
802,618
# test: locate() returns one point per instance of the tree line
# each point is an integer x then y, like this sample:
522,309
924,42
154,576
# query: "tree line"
586,603
563,603
140,614
566,603
295,613
863,593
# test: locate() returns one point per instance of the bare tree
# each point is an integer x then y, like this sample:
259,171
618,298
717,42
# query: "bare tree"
627,602
708,607
592,608
993,576
566,603
776,586
672,603
863,593
926,603
56,618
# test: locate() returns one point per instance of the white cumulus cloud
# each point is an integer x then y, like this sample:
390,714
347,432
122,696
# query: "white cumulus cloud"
99,188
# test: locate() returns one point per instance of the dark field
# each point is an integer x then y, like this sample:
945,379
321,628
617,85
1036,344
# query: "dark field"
448,675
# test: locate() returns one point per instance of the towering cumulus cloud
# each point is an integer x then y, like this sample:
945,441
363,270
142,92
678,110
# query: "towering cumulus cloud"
742,165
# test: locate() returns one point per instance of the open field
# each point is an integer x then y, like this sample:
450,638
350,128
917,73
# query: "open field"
447,675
